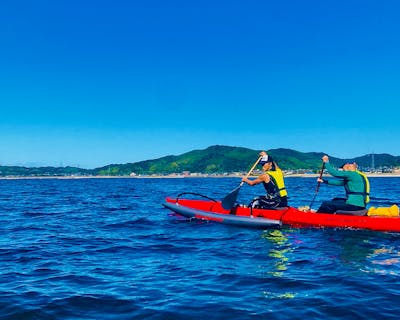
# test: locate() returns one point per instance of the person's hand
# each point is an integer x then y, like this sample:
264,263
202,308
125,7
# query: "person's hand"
263,153
245,180
325,159
320,180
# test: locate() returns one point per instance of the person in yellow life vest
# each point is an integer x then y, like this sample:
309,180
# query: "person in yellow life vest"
273,182
356,185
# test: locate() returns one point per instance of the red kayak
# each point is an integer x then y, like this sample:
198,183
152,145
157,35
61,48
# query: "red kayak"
212,210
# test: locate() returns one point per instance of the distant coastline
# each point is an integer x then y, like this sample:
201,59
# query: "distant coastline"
180,176
214,161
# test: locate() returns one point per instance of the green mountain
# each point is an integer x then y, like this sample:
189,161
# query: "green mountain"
214,159
226,159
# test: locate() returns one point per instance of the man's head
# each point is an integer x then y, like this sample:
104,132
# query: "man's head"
267,163
349,166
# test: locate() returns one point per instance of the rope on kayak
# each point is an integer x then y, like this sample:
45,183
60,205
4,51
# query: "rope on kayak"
194,194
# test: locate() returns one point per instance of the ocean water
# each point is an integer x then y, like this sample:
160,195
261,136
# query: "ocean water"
107,249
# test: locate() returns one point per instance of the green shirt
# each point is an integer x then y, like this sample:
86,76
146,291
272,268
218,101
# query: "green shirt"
351,180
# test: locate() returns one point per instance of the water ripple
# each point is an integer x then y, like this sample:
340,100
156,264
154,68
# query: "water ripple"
107,249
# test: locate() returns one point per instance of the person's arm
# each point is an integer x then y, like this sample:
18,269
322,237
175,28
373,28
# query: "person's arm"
334,182
334,172
256,181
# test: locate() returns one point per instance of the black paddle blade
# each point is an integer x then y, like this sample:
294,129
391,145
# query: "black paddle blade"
230,199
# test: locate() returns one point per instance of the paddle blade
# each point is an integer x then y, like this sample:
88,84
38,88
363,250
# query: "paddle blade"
230,199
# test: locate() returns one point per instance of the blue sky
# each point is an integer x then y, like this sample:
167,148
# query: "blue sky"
88,83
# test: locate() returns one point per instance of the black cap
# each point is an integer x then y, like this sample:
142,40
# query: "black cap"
265,159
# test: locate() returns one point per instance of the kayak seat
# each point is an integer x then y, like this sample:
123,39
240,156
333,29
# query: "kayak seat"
362,212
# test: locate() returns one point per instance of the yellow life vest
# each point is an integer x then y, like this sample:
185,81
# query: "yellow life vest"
277,178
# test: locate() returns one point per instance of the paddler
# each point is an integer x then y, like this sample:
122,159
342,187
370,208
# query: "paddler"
356,185
274,184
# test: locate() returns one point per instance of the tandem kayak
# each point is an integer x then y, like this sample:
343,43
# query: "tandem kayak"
212,210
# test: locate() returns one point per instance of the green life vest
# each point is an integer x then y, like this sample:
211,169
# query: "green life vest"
365,193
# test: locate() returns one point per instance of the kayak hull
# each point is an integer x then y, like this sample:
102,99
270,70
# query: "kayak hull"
265,218
231,219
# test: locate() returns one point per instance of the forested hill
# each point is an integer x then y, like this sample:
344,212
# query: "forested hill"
226,159
214,159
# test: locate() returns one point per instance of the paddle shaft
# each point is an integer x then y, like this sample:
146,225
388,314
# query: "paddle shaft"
251,170
318,184
320,177
230,199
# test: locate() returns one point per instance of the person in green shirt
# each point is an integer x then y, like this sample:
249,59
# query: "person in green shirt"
356,185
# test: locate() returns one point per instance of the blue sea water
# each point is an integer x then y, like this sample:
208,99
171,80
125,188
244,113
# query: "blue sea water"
107,249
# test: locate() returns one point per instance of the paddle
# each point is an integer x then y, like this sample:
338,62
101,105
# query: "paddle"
318,184
230,199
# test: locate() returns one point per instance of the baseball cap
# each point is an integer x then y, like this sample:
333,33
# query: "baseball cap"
265,159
